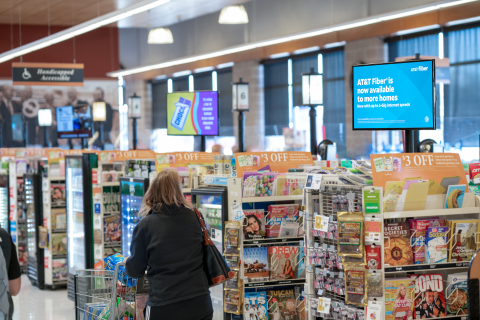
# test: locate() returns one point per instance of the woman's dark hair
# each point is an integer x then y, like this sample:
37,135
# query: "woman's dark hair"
59,189
256,219
289,263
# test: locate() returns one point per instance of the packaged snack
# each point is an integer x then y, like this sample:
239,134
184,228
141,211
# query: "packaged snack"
373,254
463,246
350,234
111,262
437,245
429,296
232,236
283,261
256,267
457,294
233,302
374,284
397,249
399,296
355,286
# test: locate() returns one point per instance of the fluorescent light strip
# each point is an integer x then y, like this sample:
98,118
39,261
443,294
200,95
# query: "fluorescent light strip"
204,69
82,28
415,30
334,44
225,65
306,50
280,55
241,48
463,21
182,73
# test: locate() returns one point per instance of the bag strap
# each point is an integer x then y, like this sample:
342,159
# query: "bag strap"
206,237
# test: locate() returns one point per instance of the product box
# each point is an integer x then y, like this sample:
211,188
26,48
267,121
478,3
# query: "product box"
254,228
256,266
255,305
397,249
463,246
278,213
474,170
282,304
457,294
283,262
418,229
399,296
437,239
429,296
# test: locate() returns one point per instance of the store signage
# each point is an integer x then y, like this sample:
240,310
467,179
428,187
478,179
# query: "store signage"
183,159
117,155
442,67
271,161
47,74
324,305
240,97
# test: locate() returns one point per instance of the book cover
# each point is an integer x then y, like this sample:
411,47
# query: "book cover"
463,246
283,305
429,296
399,296
455,195
457,294
59,243
59,269
278,213
397,249
418,228
256,267
437,245
112,228
57,194
58,218
283,260
254,228
255,305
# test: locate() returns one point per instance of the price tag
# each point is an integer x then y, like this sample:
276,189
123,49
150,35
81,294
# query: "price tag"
300,213
313,181
324,305
332,247
321,223
309,241
325,246
316,245
340,275
301,243
351,199
309,267
320,292
317,271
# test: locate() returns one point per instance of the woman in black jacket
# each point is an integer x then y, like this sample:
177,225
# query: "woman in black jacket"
168,243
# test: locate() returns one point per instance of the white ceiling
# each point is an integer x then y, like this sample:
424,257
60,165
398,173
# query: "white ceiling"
175,11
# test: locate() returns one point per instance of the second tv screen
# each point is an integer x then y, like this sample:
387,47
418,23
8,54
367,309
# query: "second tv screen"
192,113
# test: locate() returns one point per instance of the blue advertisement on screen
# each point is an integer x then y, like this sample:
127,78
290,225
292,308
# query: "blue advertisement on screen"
394,96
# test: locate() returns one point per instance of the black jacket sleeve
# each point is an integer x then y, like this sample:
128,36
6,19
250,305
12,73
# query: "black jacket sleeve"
14,271
137,263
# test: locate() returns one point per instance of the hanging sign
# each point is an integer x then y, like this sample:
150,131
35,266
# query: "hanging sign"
271,161
117,155
183,159
47,74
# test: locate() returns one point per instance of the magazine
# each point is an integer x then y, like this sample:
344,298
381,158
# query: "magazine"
279,213
283,305
112,228
255,264
399,296
437,245
463,246
59,269
255,306
58,218
283,262
57,194
59,243
397,249
111,199
429,296
254,227
418,229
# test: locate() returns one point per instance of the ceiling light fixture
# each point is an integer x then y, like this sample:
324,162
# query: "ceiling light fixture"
225,65
279,55
309,34
334,44
160,36
204,69
233,15
82,28
182,73
306,50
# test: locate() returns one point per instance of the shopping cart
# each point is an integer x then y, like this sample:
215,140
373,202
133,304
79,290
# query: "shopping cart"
107,295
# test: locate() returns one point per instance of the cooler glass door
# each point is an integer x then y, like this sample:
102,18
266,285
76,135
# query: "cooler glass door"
30,215
75,215
211,207
4,222
131,196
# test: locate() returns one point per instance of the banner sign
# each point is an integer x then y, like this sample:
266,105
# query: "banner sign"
117,155
47,74
183,159
271,161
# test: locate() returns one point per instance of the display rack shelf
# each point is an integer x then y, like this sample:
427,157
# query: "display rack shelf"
56,178
273,198
430,213
426,267
254,242
274,283
111,184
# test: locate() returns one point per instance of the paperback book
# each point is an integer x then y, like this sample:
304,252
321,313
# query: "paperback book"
397,249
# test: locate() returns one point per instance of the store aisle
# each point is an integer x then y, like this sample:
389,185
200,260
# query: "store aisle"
35,304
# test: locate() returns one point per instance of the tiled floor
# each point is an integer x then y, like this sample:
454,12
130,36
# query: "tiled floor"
35,304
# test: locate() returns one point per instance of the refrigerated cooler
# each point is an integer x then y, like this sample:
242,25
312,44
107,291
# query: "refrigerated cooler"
132,191
4,202
212,202
78,181
33,212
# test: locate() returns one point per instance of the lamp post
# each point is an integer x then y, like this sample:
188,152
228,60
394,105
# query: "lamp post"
45,121
240,103
312,94
100,115
135,112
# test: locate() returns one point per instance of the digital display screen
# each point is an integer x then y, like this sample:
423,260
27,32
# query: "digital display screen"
192,113
74,122
394,96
